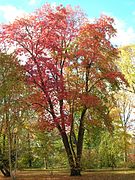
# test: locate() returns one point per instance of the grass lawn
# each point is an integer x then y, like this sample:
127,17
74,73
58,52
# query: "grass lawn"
60,175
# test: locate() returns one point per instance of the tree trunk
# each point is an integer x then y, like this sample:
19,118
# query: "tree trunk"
74,157
80,140
3,143
73,163
125,146
9,143
5,171
75,172
29,152
45,163
9,151
16,153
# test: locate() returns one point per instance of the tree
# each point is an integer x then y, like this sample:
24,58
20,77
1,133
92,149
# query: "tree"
126,64
125,111
110,149
70,67
11,88
126,98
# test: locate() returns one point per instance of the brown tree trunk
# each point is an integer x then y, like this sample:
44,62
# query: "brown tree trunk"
80,140
9,151
68,149
74,159
75,172
74,163
29,152
71,159
5,171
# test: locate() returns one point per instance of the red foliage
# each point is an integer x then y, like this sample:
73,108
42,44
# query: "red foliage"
52,40
89,100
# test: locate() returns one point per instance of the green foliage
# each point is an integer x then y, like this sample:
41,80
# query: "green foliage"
110,150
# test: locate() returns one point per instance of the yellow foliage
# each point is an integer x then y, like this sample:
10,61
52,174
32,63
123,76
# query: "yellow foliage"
127,62
114,113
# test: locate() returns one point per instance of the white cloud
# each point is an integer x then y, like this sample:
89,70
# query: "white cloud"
32,2
125,35
10,13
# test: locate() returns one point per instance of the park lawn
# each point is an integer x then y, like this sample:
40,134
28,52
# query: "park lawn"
61,175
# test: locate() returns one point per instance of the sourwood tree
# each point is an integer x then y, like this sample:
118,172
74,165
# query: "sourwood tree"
70,65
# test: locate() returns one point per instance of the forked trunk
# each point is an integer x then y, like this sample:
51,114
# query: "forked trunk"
74,157
75,165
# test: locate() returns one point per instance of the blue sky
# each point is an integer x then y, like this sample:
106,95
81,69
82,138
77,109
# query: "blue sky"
123,12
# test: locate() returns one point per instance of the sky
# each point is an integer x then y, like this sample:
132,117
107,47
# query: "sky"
123,12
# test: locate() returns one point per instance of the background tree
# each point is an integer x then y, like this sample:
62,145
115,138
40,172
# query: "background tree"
110,150
11,88
125,105
127,64
127,100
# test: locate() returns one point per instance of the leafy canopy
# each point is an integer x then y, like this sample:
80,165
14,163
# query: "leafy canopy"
69,61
